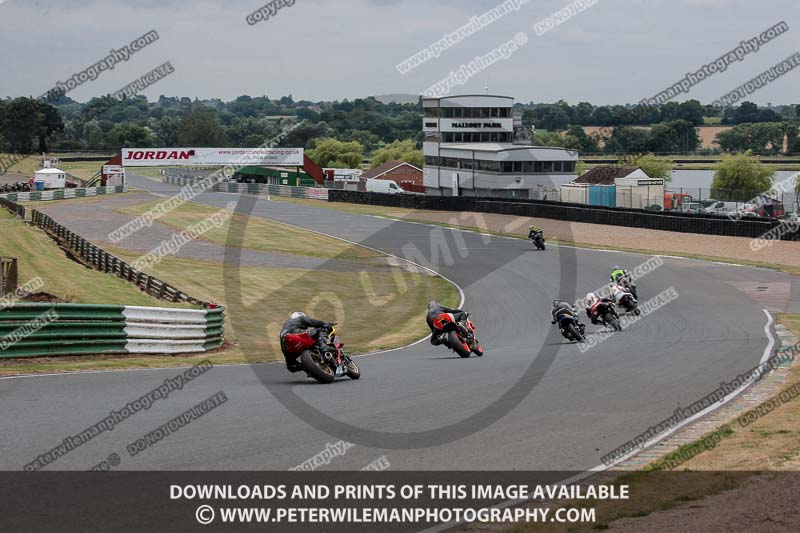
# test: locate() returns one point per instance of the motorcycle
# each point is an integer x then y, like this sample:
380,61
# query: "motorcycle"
626,300
537,239
606,312
570,328
322,358
626,283
458,336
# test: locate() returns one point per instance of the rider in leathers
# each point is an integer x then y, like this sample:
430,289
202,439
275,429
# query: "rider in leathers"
299,323
434,309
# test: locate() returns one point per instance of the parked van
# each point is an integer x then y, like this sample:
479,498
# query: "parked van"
722,208
383,186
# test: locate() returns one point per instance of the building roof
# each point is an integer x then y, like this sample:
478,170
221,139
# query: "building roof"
386,168
49,171
604,175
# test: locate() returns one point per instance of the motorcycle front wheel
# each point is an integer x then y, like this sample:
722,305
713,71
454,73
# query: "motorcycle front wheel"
352,370
316,368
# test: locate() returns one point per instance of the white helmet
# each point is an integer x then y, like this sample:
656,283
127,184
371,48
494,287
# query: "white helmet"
591,298
298,314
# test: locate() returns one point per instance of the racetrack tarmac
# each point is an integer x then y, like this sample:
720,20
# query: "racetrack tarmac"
533,402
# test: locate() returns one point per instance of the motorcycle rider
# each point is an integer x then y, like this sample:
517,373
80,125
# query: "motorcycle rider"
561,307
434,310
533,231
298,323
617,273
593,303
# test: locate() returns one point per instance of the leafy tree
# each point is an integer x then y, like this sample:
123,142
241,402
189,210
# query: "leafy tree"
333,153
677,136
627,139
201,128
550,138
654,166
581,142
760,137
131,135
27,124
550,117
692,111
399,150
740,177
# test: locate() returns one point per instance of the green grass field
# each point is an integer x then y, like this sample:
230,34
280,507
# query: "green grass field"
257,234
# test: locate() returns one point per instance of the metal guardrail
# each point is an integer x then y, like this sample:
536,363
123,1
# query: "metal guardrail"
313,193
103,261
34,330
61,194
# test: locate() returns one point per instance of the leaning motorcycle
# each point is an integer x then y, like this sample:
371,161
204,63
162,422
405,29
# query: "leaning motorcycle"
458,336
626,283
570,328
537,239
322,358
609,316
627,301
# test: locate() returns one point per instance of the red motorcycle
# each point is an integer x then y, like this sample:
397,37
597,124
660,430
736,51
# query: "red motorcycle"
460,336
322,358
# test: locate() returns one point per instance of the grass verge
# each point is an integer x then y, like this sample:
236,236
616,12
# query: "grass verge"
258,234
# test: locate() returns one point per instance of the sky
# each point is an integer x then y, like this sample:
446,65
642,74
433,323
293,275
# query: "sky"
610,52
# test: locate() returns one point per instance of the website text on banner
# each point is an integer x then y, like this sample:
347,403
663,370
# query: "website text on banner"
149,157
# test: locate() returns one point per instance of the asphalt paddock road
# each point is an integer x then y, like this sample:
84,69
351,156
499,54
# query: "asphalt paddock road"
533,402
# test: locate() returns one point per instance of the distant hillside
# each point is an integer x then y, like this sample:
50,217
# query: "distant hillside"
397,98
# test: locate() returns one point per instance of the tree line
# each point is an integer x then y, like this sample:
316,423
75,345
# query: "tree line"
365,125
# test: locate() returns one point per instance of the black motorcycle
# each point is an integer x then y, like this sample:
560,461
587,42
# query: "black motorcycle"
537,238
608,314
570,328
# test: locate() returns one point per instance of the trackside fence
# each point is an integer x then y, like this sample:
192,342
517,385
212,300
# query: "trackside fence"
83,329
61,194
313,193
13,207
103,261
631,218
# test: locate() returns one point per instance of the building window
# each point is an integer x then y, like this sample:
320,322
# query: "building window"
448,112
458,137
557,167
508,167
527,167
569,167
517,167
505,112
494,137
432,112
548,167
538,167
458,112
495,112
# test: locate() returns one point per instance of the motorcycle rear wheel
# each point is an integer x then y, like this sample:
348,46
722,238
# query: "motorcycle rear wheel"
316,369
457,345
573,331
612,321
